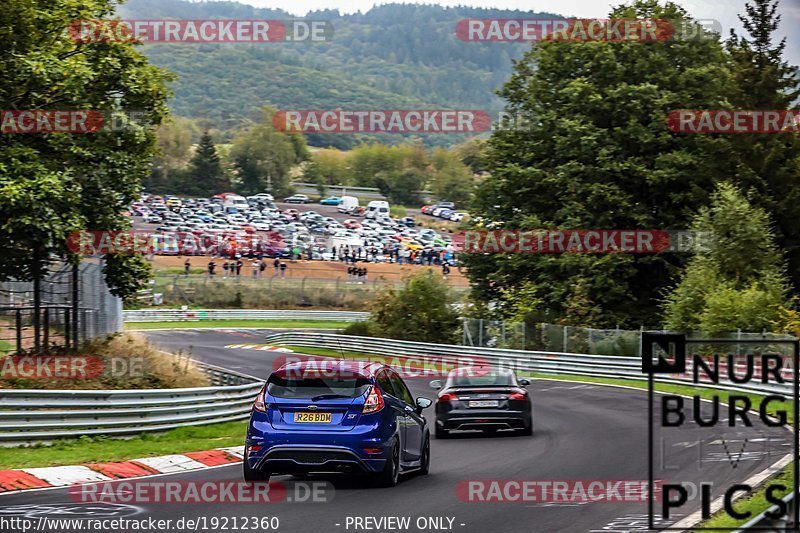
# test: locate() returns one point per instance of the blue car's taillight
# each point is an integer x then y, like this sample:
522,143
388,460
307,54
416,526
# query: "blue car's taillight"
259,404
374,401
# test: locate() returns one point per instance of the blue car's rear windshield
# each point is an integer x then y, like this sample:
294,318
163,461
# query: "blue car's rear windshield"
314,386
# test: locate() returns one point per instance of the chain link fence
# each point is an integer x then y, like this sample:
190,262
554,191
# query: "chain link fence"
74,306
570,339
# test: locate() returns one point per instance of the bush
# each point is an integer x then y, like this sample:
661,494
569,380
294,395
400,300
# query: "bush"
398,211
159,370
421,310
358,329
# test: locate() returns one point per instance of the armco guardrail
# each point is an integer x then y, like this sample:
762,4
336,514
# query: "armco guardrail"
36,415
176,315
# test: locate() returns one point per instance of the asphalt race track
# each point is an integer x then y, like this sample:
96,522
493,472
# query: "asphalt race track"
581,432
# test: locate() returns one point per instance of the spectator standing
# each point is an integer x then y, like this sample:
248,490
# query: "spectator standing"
262,266
225,269
186,266
211,266
239,266
255,268
277,265
445,270
283,270
364,273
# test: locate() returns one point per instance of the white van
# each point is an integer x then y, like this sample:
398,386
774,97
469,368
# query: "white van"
377,209
348,205
239,202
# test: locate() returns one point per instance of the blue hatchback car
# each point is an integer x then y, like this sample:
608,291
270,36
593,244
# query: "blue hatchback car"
337,416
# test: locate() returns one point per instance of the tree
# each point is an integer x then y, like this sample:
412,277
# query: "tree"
473,154
54,184
764,80
205,175
451,180
591,151
739,280
330,166
262,157
175,139
401,186
421,310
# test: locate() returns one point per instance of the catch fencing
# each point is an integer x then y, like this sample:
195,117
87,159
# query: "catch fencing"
478,332
75,306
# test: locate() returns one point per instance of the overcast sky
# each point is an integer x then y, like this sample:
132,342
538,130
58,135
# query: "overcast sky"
722,10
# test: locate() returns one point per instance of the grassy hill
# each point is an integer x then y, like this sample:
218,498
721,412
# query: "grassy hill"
393,56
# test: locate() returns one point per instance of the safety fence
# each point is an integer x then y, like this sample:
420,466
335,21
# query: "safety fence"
67,307
176,315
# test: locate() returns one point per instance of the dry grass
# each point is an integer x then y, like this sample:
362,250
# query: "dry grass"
124,361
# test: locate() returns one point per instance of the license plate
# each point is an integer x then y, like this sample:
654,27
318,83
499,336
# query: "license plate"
484,403
314,418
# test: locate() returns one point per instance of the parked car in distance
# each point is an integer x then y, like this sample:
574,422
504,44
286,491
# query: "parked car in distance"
297,199
355,417
331,200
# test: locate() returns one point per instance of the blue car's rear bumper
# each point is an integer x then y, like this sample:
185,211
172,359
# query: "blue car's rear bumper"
317,451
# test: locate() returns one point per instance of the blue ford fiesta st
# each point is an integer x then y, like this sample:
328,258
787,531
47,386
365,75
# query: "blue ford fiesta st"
344,416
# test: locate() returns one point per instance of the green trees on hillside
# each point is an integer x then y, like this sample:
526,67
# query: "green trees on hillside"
262,157
737,280
400,172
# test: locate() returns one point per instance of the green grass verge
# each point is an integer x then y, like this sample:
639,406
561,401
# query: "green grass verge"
266,324
103,449
6,346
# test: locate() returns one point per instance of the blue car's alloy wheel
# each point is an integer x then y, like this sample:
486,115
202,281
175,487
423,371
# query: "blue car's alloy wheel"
391,472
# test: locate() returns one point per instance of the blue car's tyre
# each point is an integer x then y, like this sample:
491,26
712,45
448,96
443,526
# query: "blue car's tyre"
390,474
425,463
254,475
